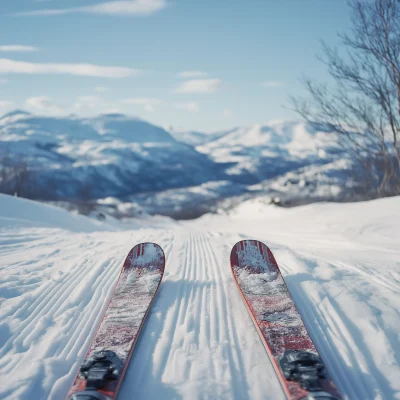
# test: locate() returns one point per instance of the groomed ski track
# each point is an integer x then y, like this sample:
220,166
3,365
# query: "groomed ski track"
196,343
199,341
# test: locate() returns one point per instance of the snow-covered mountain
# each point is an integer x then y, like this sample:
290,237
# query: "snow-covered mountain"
112,155
169,172
265,151
194,138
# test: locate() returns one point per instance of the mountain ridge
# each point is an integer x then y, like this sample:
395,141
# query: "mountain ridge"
113,155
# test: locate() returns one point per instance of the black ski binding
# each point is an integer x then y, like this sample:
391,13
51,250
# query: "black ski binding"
103,366
303,367
88,395
307,369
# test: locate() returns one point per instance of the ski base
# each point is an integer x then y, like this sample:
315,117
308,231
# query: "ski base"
101,373
294,357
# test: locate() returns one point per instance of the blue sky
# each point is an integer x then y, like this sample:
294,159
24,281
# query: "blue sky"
192,64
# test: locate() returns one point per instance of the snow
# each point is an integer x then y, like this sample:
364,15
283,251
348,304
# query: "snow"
16,212
193,138
281,138
340,262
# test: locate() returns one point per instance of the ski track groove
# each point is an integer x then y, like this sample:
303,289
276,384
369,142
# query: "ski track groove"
371,275
323,341
235,358
80,324
349,387
174,320
44,305
325,347
360,380
204,310
198,324
365,380
211,310
30,330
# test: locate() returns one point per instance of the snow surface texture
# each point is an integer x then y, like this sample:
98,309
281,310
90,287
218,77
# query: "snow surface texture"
340,262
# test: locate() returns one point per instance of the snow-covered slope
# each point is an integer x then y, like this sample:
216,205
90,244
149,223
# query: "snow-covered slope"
264,151
194,138
189,202
340,262
376,221
104,128
16,212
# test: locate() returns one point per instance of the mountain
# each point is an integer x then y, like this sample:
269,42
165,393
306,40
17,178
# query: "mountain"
172,172
110,155
262,152
194,138
104,128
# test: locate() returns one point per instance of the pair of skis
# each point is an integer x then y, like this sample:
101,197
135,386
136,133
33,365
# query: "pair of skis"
265,294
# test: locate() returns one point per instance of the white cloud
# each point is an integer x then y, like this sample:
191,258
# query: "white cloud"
88,103
43,105
149,104
269,84
116,7
6,106
18,48
93,105
100,89
191,107
199,86
227,112
192,74
21,67
112,110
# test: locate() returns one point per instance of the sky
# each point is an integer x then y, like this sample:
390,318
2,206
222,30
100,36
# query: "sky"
204,65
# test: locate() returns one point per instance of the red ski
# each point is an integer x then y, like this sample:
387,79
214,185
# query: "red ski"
296,361
101,373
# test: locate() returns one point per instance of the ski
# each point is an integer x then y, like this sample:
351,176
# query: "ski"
297,363
103,368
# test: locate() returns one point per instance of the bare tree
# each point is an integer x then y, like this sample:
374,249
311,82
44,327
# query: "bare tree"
85,202
4,163
363,106
15,175
20,177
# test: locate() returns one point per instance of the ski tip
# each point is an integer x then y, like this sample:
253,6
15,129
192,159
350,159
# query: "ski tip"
146,254
148,244
246,242
252,250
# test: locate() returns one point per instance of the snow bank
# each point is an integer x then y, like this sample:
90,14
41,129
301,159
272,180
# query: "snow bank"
256,209
17,212
373,223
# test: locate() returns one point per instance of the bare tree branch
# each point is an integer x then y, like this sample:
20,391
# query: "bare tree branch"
363,106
